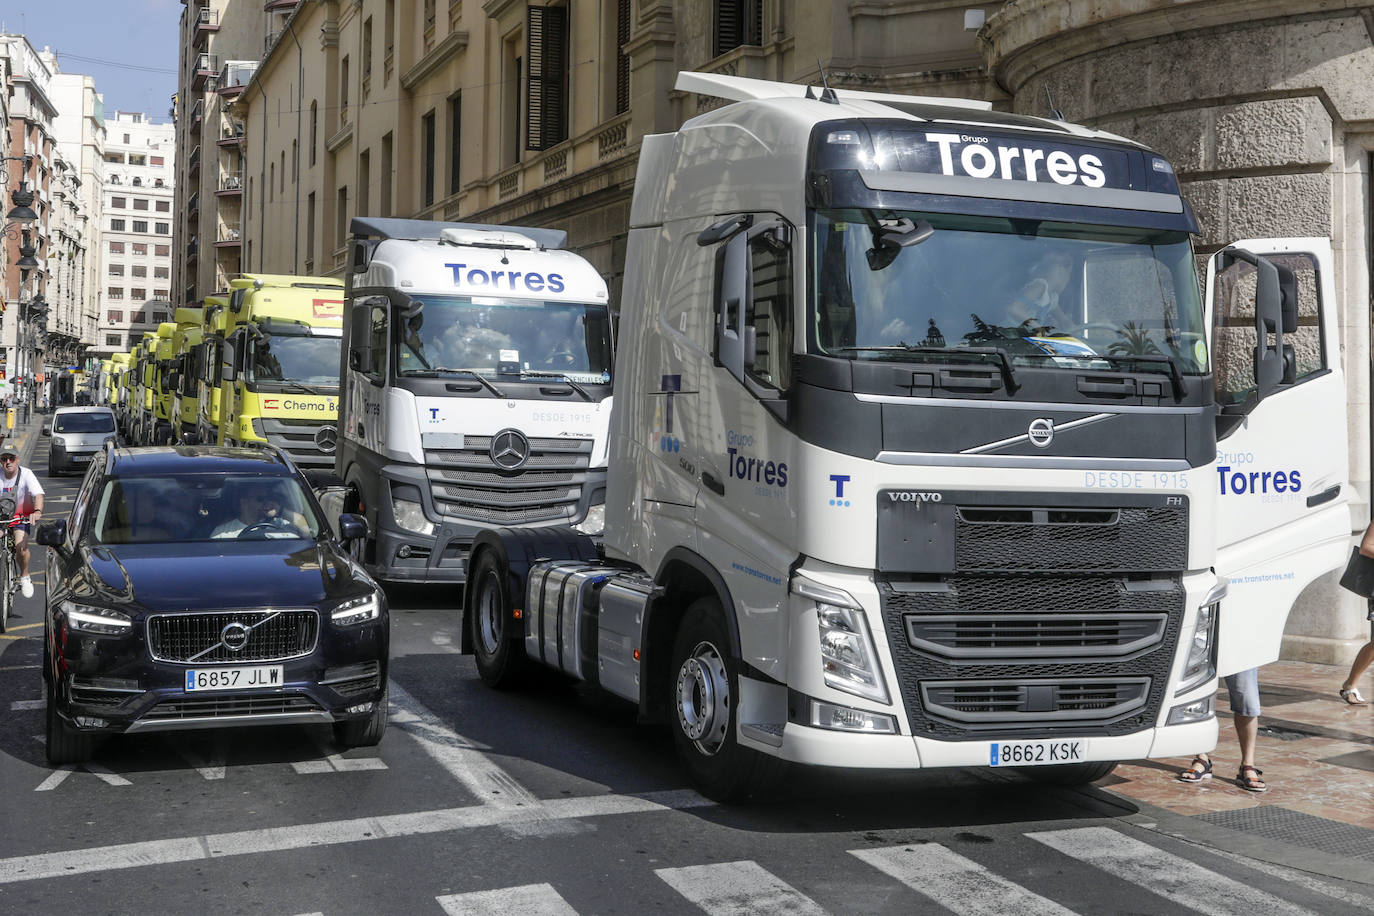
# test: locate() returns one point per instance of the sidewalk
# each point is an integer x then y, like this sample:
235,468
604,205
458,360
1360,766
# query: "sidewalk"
1317,754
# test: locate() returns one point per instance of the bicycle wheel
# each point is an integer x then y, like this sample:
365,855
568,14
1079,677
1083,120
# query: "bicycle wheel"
7,583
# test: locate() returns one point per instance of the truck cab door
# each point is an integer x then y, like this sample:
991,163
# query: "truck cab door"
1280,480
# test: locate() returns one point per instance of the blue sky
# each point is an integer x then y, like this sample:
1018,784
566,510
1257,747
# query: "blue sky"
128,46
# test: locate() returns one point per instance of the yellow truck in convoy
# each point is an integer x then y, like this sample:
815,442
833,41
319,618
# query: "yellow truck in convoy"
280,365
119,390
184,381
214,316
144,370
161,431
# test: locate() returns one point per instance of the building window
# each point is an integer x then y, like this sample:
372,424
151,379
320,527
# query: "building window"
140,203
364,182
140,248
162,251
429,14
343,90
116,248
138,270
314,130
117,203
116,270
341,219
159,183
114,340
137,159
140,317
427,166
546,49
367,50
271,180
162,273
163,228
114,292
455,136
159,317
162,294
116,225
156,160
114,316
386,177
310,231
140,225
622,60
138,292
164,206
281,174
738,22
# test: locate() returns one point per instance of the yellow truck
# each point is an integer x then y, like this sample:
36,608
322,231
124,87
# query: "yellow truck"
184,381
144,370
280,365
161,431
214,317
119,391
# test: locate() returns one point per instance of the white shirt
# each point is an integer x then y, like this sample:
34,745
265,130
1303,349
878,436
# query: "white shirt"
22,488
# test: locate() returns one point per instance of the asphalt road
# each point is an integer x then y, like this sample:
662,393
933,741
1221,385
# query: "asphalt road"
553,800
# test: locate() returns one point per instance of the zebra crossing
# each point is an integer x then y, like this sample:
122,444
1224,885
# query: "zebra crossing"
934,874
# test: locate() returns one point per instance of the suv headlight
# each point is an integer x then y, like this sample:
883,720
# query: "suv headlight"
1200,665
100,621
849,658
411,516
357,610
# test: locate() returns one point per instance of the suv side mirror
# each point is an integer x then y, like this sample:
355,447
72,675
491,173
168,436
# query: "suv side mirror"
52,533
352,527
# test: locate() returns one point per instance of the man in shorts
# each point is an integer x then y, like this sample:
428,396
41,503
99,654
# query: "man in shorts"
21,485
1245,708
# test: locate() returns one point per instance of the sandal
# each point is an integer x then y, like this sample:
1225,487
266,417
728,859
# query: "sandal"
1252,781
1352,696
1193,774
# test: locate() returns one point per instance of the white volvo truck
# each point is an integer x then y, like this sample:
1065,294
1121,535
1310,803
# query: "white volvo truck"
929,452
476,389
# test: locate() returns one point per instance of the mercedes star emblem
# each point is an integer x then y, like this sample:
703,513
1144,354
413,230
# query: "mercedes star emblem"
234,636
327,439
510,449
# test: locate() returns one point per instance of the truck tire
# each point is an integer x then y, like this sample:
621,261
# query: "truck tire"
363,732
703,691
500,658
1069,774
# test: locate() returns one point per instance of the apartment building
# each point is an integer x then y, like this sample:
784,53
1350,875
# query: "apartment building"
136,281
220,44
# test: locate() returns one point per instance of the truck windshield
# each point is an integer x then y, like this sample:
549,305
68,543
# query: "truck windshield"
298,358
489,335
1046,294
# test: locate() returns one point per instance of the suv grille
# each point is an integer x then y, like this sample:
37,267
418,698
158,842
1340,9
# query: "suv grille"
219,707
465,483
196,638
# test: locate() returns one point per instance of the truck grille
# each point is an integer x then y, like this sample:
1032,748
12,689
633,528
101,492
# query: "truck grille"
1035,701
465,483
302,438
1004,636
272,636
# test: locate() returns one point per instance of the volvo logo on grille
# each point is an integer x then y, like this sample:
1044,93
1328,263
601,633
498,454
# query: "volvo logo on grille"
510,449
327,439
234,636
1041,432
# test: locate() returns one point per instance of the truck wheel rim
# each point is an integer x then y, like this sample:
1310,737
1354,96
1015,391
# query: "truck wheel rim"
703,698
489,616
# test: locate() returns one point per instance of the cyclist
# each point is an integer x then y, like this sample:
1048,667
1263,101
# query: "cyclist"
21,485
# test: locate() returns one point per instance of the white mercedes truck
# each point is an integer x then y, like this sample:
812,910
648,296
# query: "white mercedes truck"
928,450
476,392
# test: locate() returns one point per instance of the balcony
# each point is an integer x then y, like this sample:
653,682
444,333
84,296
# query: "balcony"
207,66
197,114
207,21
193,206
235,75
230,185
228,238
274,5
193,250
193,163
231,134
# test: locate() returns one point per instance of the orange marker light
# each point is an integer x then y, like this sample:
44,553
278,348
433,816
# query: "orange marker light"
517,613
636,655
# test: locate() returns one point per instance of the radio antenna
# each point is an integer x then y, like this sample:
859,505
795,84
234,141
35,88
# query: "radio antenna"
1049,99
827,94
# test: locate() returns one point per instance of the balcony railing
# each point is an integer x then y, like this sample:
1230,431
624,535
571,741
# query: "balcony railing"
230,133
197,112
193,248
235,75
230,183
193,163
193,205
207,21
207,65
228,237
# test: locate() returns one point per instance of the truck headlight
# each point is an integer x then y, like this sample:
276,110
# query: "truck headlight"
256,423
1200,665
594,525
101,621
357,610
849,660
411,516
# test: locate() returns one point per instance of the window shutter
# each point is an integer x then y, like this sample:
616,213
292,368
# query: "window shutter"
622,60
738,22
547,53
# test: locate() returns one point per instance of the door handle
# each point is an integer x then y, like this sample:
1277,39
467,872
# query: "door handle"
1325,496
360,429
713,483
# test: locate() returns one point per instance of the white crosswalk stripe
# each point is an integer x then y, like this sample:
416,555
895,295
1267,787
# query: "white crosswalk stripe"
738,889
1163,873
958,884
528,900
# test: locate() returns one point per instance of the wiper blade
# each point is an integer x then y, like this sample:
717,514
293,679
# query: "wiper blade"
468,372
1167,363
308,389
1004,361
535,373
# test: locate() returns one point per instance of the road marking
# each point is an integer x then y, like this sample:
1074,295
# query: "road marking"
336,763
21,705
958,884
56,779
731,888
330,833
528,899
1174,877
105,775
456,754
212,768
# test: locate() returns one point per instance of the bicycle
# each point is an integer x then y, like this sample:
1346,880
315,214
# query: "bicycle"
9,564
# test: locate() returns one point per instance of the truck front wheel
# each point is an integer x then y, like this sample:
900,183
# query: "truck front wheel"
704,692
500,658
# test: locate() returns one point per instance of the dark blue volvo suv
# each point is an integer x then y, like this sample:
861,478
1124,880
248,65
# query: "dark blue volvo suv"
201,587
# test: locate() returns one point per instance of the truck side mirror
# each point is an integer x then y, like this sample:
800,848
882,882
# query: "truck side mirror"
359,360
730,305
1270,319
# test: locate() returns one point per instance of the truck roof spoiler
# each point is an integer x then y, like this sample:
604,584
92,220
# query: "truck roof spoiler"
743,89
379,228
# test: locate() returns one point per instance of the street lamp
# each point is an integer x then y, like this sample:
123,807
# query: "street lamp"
21,215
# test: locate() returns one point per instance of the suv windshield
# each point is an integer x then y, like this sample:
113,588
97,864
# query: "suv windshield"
195,507
487,335
1047,294
94,422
